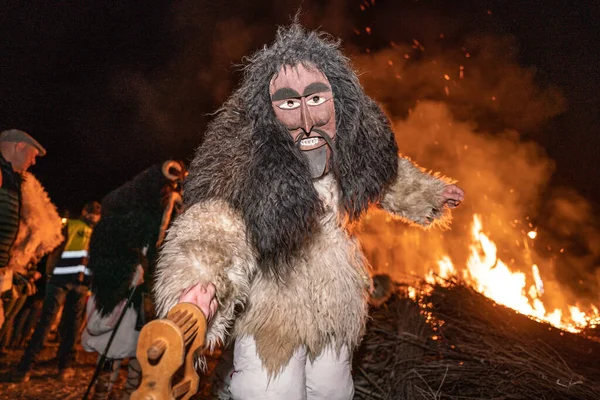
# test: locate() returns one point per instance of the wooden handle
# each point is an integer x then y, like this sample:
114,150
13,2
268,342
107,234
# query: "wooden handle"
157,349
163,347
192,323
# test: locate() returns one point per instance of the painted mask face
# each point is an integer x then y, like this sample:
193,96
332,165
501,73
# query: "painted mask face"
303,101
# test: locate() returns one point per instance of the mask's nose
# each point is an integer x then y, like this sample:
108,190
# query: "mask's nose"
307,120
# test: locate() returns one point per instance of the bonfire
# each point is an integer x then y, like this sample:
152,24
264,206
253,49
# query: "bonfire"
445,340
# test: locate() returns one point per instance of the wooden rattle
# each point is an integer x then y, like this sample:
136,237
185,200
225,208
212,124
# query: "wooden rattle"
164,345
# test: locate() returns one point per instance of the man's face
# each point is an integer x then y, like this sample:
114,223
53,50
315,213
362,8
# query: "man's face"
24,157
92,218
303,101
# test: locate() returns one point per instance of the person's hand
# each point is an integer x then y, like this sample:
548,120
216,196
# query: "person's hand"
203,297
453,196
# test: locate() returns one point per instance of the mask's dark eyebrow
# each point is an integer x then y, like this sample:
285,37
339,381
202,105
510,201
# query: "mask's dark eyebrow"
285,93
316,87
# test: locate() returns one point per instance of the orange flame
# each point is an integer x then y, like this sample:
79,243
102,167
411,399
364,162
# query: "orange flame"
490,276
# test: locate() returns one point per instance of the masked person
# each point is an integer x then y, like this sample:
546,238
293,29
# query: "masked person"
123,250
67,286
295,154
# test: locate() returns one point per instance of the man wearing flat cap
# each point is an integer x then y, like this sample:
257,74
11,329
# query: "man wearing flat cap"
18,151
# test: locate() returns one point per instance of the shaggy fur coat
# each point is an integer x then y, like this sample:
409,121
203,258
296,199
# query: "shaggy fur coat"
40,227
274,242
131,217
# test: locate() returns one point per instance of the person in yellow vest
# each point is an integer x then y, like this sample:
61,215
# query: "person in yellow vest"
68,285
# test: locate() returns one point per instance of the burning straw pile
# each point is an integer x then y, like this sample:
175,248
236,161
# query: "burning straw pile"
454,343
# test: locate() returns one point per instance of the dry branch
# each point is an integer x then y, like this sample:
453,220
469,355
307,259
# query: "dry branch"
454,343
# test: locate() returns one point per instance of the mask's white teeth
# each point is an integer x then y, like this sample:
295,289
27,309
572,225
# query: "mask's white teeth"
309,142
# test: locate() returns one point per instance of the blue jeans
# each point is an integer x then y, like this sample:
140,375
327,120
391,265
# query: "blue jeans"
73,296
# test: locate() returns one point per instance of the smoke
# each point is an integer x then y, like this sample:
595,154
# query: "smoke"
480,81
502,176
570,226
471,113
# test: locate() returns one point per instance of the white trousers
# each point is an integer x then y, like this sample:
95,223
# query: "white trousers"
328,377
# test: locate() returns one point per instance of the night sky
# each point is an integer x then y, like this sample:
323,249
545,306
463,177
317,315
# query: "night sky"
110,90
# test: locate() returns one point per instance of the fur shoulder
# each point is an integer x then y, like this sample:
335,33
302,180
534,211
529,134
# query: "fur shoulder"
40,226
207,244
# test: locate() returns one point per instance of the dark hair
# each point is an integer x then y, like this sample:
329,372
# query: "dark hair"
249,159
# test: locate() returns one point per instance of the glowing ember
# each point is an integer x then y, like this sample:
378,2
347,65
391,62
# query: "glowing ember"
532,234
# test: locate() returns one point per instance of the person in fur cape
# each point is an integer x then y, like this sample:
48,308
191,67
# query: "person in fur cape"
40,232
296,154
29,223
123,248
134,217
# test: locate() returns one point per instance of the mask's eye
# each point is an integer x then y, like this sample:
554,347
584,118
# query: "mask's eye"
315,100
289,104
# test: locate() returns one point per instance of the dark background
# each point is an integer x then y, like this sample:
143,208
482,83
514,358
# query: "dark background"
111,87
